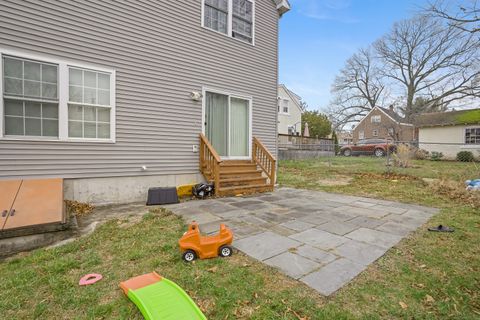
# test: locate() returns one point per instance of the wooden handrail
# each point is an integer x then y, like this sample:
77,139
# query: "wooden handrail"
264,159
209,162
210,147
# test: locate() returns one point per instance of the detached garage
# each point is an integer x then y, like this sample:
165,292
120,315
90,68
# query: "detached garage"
450,132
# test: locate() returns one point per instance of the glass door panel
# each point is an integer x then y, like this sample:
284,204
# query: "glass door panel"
227,125
216,122
239,127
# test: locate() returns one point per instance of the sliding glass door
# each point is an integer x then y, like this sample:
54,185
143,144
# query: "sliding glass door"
227,125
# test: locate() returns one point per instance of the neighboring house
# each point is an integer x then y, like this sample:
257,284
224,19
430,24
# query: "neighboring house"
449,132
289,112
112,96
383,123
344,137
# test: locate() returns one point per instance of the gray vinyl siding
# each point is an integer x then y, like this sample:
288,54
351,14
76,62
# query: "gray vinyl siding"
161,54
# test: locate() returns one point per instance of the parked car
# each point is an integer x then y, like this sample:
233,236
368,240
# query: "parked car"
374,147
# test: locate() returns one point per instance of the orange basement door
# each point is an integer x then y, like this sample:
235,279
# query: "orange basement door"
25,203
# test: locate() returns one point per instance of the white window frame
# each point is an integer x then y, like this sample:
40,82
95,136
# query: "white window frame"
379,117
250,107
63,92
469,145
374,133
280,106
230,22
361,135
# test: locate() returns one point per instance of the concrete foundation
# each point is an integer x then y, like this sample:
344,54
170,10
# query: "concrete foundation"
119,190
292,154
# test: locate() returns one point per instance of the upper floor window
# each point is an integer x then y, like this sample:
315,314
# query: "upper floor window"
375,133
472,136
284,107
376,119
234,18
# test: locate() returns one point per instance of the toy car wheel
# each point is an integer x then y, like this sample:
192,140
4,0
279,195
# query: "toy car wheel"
189,255
225,251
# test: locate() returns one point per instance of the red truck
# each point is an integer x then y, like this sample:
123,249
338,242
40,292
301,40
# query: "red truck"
374,147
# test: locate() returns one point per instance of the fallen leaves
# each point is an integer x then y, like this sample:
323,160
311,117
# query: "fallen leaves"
429,299
403,305
212,269
76,208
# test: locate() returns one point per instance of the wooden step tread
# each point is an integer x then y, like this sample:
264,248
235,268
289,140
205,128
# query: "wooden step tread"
253,186
227,164
242,172
243,179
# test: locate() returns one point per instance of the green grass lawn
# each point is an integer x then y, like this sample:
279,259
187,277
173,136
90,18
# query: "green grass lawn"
426,276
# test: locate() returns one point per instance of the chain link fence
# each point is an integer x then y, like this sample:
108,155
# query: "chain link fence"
391,153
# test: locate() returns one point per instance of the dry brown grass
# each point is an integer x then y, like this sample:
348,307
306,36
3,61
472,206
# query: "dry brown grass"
456,191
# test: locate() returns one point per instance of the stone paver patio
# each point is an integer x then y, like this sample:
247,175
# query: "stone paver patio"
322,239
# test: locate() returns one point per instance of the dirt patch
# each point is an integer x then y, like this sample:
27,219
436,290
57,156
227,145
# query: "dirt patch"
387,176
336,181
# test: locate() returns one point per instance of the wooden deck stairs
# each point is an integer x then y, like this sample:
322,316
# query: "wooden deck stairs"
235,177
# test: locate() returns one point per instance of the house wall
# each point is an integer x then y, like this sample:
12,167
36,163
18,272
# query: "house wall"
448,140
292,118
401,132
160,53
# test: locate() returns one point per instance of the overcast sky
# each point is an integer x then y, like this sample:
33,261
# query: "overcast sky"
318,36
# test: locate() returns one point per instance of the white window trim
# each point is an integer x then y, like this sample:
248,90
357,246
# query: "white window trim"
231,95
470,145
375,117
63,90
229,22
374,133
281,107
361,135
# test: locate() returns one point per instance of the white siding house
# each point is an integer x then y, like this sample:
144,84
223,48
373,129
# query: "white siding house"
289,112
112,96
450,132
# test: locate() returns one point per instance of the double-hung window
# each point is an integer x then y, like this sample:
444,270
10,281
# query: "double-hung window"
88,104
44,99
472,135
30,98
234,18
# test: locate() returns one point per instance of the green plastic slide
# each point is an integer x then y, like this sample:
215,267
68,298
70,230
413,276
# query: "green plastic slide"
164,300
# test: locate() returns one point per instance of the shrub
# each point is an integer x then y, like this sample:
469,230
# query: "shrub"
436,156
465,156
403,156
421,154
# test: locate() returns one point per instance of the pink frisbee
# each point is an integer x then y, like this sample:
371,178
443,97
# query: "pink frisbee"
90,279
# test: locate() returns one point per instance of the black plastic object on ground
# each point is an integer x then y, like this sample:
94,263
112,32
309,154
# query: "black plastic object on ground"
441,228
158,196
203,190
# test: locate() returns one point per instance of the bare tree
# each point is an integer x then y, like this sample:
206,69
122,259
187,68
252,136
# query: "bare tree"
425,58
465,17
357,89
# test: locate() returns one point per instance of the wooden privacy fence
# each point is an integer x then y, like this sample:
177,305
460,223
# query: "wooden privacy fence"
303,143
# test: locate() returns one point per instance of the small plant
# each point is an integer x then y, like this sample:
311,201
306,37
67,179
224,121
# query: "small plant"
421,154
465,156
436,156
403,157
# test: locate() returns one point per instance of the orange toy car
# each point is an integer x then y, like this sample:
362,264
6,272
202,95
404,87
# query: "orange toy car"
194,245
